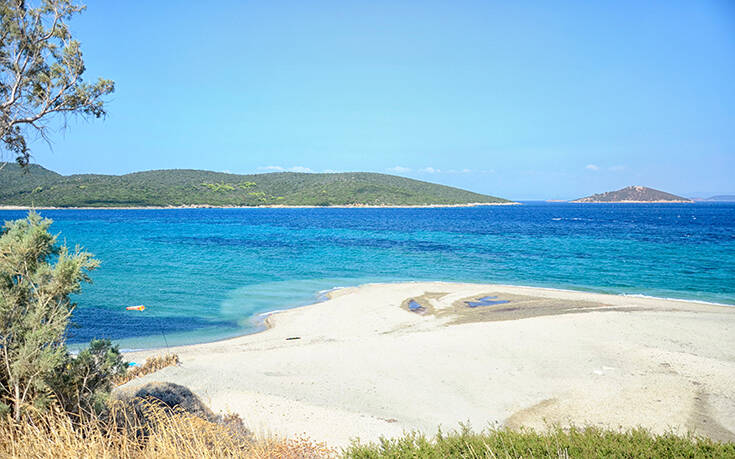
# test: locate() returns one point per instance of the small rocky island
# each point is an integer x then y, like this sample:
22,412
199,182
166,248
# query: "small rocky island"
634,194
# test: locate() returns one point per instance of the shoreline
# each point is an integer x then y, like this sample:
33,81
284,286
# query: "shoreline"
274,206
632,202
321,296
362,364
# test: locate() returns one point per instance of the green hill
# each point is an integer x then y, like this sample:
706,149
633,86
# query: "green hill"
40,187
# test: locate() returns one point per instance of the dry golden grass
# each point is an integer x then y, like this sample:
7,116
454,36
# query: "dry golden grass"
121,435
151,365
300,447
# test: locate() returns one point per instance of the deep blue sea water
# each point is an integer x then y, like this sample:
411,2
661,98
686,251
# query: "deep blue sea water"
205,274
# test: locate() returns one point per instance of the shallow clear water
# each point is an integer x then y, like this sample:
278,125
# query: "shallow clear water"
205,274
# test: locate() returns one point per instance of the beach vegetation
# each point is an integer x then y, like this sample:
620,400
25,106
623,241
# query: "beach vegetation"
41,73
151,365
37,277
161,433
174,433
556,442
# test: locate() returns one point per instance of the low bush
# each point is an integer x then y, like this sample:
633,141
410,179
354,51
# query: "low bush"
557,442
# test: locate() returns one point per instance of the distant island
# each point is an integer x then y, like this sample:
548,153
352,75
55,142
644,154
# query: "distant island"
719,198
39,187
634,194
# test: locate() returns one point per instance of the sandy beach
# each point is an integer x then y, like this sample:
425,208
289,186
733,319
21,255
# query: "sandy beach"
363,364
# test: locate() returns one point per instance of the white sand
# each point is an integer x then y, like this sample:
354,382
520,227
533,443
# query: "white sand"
365,366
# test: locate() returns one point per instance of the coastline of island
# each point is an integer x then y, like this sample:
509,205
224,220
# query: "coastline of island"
668,201
274,206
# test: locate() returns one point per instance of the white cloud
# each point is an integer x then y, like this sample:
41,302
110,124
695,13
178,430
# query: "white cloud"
434,170
284,169
299,169
330,171
592,167
457,171
271,168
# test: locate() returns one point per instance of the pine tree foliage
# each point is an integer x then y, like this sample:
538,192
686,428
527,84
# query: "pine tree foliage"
41,68
37,277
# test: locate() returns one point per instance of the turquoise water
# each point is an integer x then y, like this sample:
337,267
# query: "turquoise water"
206,274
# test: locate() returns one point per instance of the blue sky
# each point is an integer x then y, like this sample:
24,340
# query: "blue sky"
525,100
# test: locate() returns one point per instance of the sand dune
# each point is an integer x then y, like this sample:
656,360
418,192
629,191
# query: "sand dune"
363,364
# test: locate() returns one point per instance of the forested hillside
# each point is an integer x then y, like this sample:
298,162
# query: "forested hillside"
40,187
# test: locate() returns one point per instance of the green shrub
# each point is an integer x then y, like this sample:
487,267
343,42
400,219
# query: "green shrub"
37,278
88,379
557,442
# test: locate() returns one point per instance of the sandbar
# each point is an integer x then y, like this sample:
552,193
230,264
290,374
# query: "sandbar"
364,364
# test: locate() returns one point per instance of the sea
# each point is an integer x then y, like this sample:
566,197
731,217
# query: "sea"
210,274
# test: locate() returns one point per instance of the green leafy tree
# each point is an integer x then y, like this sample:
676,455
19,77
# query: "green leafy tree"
36,279
41,69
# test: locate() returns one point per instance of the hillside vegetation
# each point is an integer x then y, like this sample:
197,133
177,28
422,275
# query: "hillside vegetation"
41,187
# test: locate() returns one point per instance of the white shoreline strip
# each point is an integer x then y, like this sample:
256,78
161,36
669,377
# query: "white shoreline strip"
275,206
